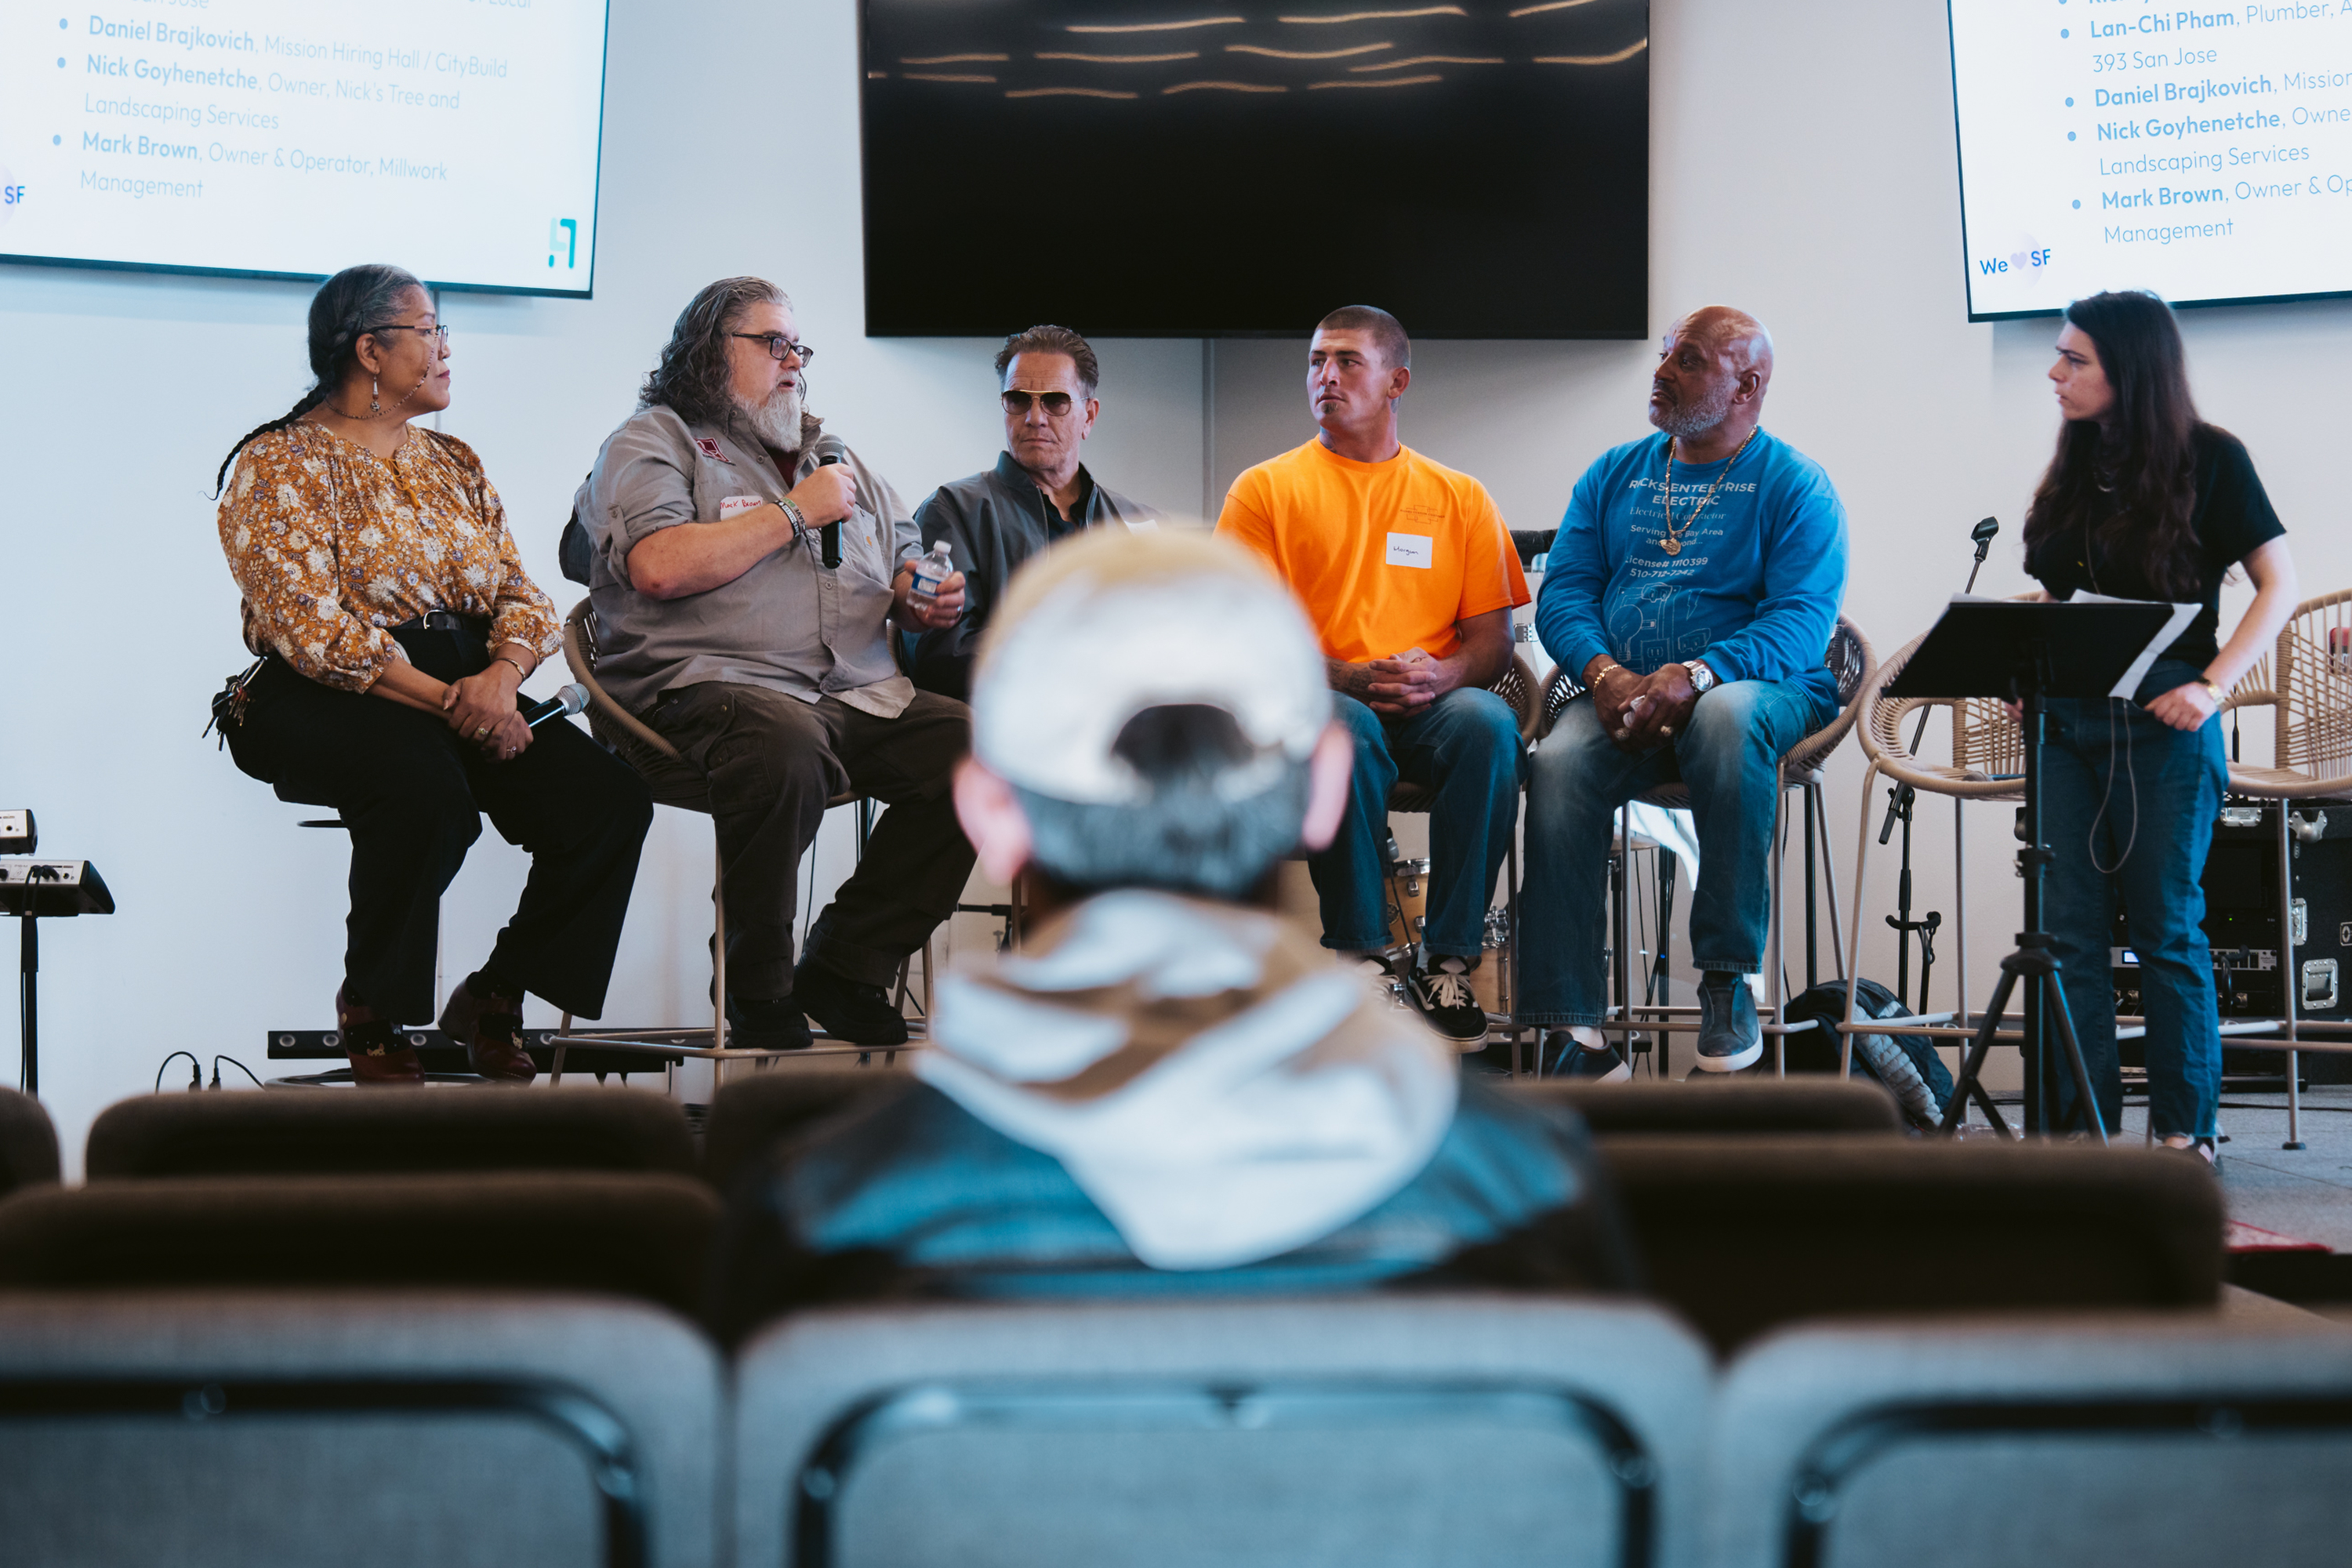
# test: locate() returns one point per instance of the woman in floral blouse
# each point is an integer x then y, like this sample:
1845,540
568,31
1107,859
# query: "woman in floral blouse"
395,622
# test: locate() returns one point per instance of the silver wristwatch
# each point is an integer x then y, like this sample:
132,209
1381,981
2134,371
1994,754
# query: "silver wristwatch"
1702,678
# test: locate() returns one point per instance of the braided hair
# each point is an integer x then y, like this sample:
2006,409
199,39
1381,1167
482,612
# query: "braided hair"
347,307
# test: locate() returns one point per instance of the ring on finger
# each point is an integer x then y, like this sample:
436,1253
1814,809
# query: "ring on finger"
482,732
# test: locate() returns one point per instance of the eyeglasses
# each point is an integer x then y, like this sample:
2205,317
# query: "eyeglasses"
779,346
440,334
1056,404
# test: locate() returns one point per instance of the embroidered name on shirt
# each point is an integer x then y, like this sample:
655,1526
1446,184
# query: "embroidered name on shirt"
1412,550
709,449
731,505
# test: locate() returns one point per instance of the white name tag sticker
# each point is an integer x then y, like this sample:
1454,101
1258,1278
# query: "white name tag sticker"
1412,550
731,505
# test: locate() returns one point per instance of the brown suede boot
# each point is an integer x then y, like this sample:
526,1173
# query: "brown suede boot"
377,1052
490,1029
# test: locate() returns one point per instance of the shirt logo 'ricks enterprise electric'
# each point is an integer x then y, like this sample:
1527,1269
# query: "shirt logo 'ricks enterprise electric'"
564,239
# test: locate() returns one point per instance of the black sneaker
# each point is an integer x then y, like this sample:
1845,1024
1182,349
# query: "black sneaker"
766,1024
861,1014
1442,996
1731,1036
1573,1059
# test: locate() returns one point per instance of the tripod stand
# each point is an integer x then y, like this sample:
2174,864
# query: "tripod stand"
2033,961
2028,653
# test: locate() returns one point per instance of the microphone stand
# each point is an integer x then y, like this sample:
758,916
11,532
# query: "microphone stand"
1900,799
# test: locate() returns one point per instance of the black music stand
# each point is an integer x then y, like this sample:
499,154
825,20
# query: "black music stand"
2027,652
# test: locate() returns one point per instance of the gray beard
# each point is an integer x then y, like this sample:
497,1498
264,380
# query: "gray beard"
777,422
1688,422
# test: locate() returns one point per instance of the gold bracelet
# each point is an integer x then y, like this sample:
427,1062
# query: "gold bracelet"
519,669
2219,696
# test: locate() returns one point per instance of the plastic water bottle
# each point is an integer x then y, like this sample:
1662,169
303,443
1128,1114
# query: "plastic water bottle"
933,570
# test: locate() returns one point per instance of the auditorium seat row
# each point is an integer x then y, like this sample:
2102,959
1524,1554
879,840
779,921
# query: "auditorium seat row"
594,1190
405,1428
457,1328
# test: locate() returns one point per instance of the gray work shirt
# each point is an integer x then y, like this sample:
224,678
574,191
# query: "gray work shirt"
788,624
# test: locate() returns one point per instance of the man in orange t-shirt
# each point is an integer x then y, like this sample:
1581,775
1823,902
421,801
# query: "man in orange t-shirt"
1409,575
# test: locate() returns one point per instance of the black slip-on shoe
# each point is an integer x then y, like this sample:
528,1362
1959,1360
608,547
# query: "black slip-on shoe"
1573,1059
1731,1036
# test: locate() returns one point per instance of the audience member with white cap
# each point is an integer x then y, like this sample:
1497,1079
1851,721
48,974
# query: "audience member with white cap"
1165,1088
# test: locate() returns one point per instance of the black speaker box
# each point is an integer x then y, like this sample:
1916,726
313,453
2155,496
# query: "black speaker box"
2241,916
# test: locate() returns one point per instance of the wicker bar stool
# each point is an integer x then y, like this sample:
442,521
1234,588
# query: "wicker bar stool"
1851,663
675,784
2306,681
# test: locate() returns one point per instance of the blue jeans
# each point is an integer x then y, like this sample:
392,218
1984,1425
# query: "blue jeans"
1728,754
1465,746
2127,808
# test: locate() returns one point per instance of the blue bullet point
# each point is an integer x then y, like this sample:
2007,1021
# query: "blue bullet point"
2078,206
57,141
2065,34
2070,103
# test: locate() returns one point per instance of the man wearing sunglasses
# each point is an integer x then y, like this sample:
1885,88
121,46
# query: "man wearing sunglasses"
1038,493
746,570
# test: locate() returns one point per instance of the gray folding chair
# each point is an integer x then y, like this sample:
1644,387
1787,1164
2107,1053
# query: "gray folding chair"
1372,1431
2123,1439
365,1430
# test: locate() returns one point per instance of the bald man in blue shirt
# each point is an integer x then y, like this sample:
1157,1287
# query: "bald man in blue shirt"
1694,587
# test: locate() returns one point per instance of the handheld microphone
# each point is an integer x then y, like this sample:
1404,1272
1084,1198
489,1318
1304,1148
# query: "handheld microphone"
571,700
829,451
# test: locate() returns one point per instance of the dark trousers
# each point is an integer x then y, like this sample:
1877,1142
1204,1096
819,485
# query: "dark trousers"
412,794
769,762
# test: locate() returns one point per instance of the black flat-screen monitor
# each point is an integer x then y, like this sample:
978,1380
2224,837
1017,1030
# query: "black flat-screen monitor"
1175,168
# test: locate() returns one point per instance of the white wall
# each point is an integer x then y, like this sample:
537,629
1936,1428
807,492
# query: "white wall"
1803,169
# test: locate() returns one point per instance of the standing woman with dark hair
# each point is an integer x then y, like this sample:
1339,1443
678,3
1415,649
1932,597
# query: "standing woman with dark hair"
2146,500
395,623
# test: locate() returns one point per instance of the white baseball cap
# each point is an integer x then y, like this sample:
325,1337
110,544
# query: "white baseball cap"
1113,623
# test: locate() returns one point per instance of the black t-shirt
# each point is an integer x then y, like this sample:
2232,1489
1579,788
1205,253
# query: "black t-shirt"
2232,520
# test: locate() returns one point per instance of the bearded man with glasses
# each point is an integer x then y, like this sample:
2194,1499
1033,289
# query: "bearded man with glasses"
746,570
1037,494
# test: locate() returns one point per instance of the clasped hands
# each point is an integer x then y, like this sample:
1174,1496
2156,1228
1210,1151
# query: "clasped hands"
1641,712
481,709
1406,683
